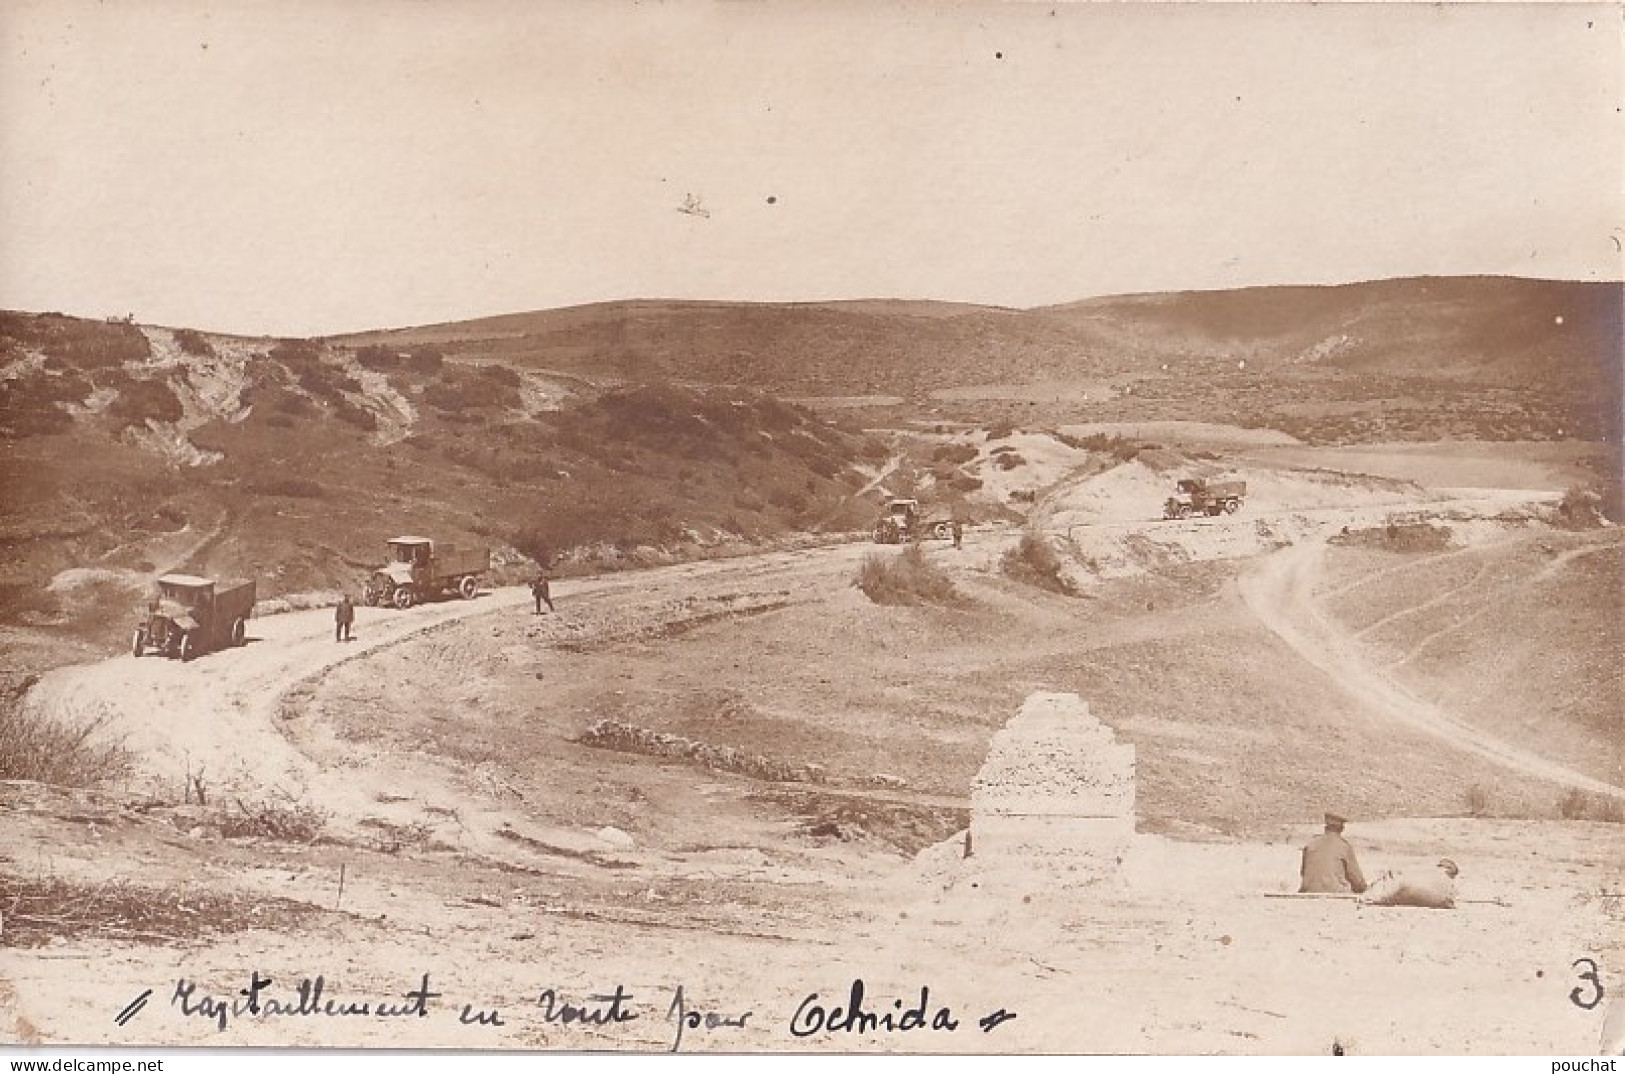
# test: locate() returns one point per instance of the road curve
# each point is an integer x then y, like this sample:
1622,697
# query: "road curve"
1279,590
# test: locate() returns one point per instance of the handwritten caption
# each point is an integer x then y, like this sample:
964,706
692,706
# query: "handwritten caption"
853,1012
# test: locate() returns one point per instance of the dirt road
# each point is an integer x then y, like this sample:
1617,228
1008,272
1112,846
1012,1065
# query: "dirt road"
219,721
520,890
1280,590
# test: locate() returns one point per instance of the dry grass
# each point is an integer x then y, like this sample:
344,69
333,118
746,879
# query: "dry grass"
906,578
288,821
1034,562
1398,537
37,910
67,750
897,826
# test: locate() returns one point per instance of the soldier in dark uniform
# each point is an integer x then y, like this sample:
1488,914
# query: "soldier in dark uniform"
959,531
1329,864
540,590
343,617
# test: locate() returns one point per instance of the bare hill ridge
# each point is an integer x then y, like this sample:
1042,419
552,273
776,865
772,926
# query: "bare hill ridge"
1483,332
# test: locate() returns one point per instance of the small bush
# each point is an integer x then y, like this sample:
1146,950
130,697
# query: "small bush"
295,352
906,578
500,374
380,359
57,749
192,342
1034,562
1397,537
954,454
424,359
1010,460
351,414
1577,804
1581,507
288,822
1109,444
1001,431
873,450
28,406
146,399
463,388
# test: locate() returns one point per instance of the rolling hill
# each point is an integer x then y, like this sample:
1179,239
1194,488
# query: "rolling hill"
615,432
1507,358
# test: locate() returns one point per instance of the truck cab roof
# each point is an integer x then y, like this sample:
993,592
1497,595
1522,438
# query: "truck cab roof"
185,581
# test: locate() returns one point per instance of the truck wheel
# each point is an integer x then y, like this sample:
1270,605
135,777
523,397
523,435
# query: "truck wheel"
188,647
1232,506
403,597
139,646
1184,511
942,532
468,587
239,632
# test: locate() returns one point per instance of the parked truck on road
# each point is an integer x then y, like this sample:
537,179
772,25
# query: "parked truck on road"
903,520
192,615
421,568
1198,496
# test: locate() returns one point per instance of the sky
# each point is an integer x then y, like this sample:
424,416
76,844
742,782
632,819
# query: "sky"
306,167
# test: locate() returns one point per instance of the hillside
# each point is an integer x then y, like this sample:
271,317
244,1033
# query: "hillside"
1398,359
626,433
132,450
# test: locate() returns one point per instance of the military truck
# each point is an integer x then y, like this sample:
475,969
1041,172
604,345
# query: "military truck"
1198,496
421,568
192,615
903,520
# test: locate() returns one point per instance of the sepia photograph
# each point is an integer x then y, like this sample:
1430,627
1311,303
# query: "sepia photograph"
812,527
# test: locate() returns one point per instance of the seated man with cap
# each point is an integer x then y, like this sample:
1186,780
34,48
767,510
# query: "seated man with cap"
1329,865
1435,890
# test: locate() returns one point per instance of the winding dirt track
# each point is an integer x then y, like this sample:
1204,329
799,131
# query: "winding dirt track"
1280,591
221,717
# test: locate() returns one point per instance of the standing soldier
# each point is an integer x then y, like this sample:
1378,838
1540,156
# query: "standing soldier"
959,531
343,616
539,590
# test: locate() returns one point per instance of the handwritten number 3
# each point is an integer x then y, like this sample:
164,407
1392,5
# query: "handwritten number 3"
1590,974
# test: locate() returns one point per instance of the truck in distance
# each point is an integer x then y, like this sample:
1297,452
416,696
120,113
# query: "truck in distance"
903,520
1198,496
421,568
